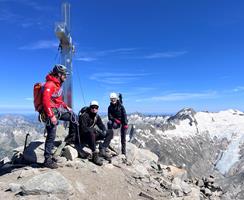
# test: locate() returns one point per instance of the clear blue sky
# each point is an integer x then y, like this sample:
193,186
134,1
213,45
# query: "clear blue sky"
162,55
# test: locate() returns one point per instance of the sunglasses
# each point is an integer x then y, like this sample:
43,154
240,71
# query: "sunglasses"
94,107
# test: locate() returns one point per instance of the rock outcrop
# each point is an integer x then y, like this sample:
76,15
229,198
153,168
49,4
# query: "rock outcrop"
139,176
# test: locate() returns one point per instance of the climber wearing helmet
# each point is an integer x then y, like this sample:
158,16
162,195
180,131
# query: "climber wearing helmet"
55,108
118,119
93,129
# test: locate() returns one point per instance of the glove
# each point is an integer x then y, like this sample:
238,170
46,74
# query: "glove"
117,121
125,126
54,120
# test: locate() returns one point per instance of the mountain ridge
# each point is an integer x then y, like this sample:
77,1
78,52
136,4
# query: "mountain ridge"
203,143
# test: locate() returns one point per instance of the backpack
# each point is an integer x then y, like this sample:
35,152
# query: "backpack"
120,98
84,110
37,93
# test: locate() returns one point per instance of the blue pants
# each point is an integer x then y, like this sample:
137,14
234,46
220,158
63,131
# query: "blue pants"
51,131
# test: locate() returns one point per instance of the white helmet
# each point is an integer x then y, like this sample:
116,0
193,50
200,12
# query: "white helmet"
94,103
113,95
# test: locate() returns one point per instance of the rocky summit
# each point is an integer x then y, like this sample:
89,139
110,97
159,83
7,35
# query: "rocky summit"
191,155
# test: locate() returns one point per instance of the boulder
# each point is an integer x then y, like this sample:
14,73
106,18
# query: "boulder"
34,152
177,172
70,153
47,183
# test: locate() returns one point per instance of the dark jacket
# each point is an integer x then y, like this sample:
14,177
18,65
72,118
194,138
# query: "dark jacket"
117,111
86,121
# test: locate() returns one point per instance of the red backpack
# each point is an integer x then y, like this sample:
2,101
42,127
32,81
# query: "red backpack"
37,92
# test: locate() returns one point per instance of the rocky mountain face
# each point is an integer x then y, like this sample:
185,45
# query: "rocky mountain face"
196,155
204,143
139,176
13,130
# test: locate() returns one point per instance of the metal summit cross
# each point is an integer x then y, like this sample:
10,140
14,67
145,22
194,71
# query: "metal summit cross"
62,31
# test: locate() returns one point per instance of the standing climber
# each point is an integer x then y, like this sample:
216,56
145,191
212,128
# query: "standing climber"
117,118
55,109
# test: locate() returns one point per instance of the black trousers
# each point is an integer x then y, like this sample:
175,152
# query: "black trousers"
112,125
51,130
90,138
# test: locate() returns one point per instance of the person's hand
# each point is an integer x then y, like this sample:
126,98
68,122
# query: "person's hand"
69,109
54,120
117,121
125,126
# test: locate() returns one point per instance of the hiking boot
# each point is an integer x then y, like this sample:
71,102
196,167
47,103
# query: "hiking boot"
104,154
83,154
49,163
96,159
123,150
55,159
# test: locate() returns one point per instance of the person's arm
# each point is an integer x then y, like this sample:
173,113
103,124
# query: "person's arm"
110,116
49,89
100,123
84,124
61,102
124,116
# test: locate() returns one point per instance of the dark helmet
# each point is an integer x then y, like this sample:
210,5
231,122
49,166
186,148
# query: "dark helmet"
58,68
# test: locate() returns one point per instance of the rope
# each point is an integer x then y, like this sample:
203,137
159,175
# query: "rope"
73,118
58,56
82,91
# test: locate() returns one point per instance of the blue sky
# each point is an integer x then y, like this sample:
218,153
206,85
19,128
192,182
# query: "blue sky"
162,55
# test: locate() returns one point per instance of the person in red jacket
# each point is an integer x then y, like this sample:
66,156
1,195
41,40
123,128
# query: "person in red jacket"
56,109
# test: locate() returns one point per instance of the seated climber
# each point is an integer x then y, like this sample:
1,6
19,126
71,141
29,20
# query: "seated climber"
92,129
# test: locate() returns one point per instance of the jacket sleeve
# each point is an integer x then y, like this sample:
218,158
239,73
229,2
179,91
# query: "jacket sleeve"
83,120
100,123
110,117
49,89
123,115
60,101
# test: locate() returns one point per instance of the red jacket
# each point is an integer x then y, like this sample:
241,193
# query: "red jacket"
52,95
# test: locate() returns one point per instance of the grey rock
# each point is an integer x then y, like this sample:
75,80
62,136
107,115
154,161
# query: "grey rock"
194,195
47,183
34,152
166,183
28,171
145,195
210,180
207,192
200,183
70,153
184,187
15,187
177,172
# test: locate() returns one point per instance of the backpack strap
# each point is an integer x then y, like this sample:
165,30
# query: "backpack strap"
95,118
94,123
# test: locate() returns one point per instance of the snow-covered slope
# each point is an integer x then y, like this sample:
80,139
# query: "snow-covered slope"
202,142
223,133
